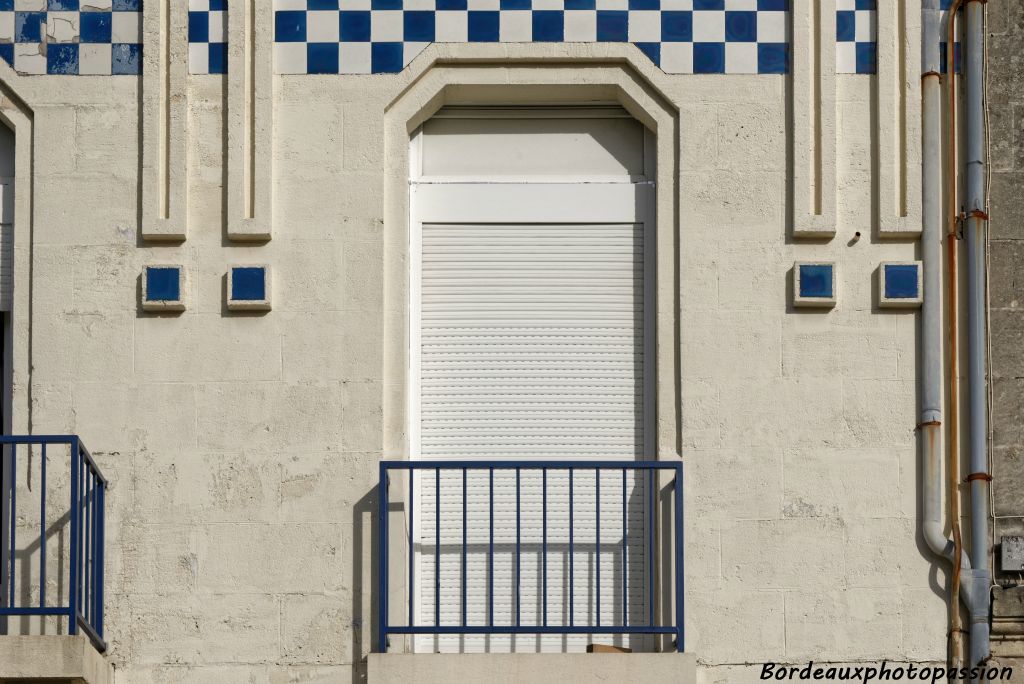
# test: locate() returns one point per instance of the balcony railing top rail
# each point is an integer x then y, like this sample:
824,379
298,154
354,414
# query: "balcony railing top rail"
644,491
81,603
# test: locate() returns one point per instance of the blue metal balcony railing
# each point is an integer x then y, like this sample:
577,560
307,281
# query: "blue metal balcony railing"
627,620
80,601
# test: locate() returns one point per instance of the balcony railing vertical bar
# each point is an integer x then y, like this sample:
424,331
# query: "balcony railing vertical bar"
86,525
12,536
544,541
437,548
42,528
490,551
572,556
625,551
649,477
597,540
383,509
679,560
412,556
519,554
465,543
646,485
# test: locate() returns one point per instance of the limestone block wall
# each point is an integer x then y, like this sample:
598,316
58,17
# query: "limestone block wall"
242,448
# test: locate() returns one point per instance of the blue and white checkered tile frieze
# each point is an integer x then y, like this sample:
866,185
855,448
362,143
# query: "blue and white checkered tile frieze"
856,37
207,36
383,36
78,37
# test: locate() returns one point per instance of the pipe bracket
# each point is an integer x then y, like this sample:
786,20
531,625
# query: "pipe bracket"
978,476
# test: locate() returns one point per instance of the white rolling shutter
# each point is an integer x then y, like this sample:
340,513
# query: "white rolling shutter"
531,342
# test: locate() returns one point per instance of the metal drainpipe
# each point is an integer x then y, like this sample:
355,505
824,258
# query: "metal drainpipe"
976,334
933,235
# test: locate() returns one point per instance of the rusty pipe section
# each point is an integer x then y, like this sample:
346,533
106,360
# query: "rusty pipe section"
934,234
932,238
977,347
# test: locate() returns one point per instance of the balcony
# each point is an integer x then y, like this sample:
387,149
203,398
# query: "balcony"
546,568
52,510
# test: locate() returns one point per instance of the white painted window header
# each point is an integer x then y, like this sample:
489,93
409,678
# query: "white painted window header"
509,144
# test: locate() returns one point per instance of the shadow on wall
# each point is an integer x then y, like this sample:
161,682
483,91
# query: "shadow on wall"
365,569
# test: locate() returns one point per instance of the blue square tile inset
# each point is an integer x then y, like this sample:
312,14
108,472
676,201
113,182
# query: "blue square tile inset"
163,284
386,58
95,27
612,26
773,58
321,58
418,26
816,281
846,26
62,59
677,26
867,58
741,27
483,27
548,26
199,27
354,27
901,281
218,58
126,58
248,284
709,58
289,26
28,26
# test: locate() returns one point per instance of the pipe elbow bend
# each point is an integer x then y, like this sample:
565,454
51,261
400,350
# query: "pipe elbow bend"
941,545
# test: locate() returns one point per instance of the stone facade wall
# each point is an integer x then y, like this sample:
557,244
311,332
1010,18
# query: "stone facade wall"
242,449
1006,293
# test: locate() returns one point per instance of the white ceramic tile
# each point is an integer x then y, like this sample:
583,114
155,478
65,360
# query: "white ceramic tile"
322,26
451,27
62,27
516,26
846,58
677,58
290,58
708,27
386,26
772,27
580,26
354,58
126,27
741,58
94,58
645,26
198,58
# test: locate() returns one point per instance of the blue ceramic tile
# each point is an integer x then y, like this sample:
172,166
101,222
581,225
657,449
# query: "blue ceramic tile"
816,280
248,283
901,281
163,284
